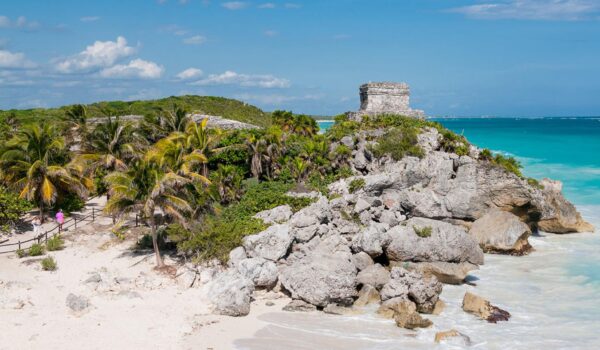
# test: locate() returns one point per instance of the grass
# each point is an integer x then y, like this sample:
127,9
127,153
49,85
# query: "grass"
49,264
36,250
21,253
356,185
423,232
227,108
398,143
55,243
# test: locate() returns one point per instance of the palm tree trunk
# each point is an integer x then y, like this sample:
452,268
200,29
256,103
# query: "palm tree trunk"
41,212
159,260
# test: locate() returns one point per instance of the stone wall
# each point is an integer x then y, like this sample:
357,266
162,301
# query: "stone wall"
385,98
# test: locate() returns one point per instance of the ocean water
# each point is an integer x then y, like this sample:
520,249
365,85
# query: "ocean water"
553,294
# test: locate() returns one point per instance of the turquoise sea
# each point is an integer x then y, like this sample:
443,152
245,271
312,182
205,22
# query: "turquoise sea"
552,293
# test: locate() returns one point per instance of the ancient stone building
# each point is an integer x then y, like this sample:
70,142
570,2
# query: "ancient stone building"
385,98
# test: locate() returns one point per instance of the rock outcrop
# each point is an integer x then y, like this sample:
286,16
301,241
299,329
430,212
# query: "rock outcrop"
230,294
501,232
482,308
564,218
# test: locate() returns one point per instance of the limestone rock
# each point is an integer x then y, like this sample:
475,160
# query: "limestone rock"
501,232
390,307
413,286
482,308
371,240
77,303
439,307
276,215
411,320
452,337
362,260
271,244
230,293
262,272
367,295
374,275
446,242
445,272
326,275
299,306
564,218
236,255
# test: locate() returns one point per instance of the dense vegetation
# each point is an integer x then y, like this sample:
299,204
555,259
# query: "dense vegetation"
197,189
227,108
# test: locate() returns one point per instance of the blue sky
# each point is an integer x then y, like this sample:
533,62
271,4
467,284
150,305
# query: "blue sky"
461,57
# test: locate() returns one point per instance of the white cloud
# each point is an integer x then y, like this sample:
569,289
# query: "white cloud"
247,80
14,60
4,22
190,73
101,54
291,5
174,29
89,18
234,5
271,33
558,10
267,5
194,40
21,22
136,68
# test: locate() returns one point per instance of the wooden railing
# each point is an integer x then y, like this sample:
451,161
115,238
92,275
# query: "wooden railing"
56,230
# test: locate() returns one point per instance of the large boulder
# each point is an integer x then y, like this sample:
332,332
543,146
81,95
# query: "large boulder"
276,215
564,218
230,293
424,292
262,272
445,272
426,240
271,244
371,240
482,308
374,275
501,232
324,276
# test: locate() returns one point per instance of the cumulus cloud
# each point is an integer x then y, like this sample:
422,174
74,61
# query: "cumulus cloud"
89,19
190,73
14,60
136,68
101,54
234,5
557,10
246,80
194,40
267,5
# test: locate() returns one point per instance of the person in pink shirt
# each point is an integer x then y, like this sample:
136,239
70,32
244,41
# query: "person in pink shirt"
60,219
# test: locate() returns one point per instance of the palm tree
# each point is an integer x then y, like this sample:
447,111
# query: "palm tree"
76,117
33,163
112,144
227,183
305,126
145,187
256,146
171,153
284,119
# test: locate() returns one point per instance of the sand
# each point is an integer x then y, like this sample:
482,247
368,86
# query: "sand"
132,307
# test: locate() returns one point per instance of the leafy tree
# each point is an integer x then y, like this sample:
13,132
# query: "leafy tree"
34,164
145,187
11,208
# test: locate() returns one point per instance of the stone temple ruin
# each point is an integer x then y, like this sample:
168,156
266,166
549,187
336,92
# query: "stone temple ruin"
385,98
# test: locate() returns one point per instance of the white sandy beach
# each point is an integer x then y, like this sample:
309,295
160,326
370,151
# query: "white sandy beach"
133,307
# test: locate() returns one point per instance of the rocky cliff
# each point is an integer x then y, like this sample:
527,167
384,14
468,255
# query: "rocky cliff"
393,233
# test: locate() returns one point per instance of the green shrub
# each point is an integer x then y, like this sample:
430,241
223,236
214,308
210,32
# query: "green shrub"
36,249
535,183
398,143
11,208
423,232
509,163
486,154
356,185
69,203
48,264
21,253
55,243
